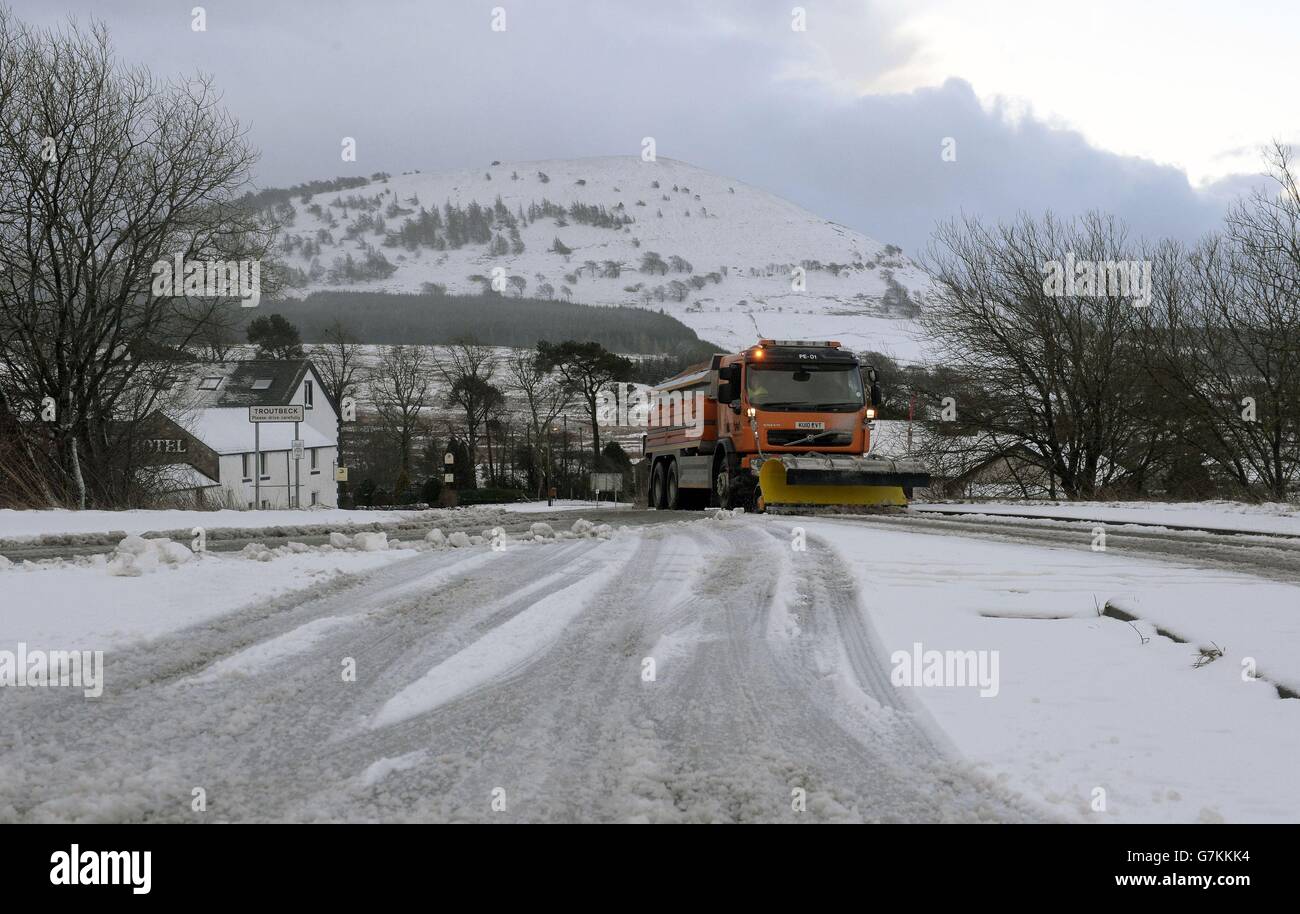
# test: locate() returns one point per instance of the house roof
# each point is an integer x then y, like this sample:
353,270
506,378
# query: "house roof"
251,382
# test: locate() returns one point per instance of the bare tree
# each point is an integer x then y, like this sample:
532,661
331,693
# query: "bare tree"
401,388
338,359
1224,343
1052,378
107,172
545,395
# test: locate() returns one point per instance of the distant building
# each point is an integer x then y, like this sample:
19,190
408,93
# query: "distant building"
203,443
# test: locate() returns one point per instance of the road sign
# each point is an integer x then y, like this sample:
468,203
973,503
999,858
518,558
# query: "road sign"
607,482
448,458
297,448
449,478
292,413
340,474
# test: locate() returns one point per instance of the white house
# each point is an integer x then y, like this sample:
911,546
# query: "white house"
253,462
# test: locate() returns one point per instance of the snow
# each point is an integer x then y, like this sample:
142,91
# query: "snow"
508,649
266,654
753,236
77,605
1272,518
560,504
526,667
29,525
1087,701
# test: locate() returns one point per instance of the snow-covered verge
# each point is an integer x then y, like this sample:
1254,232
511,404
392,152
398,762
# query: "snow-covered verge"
1272,517
146,588
30,525
560,504
1087,701
95,604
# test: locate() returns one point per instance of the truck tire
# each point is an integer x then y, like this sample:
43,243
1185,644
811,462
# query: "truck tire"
673,498
657,486
724,488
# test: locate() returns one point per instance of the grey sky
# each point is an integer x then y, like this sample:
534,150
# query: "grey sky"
840,119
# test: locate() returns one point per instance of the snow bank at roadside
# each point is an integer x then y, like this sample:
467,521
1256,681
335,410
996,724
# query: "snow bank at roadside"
28,525
149,586
1221,515
561,504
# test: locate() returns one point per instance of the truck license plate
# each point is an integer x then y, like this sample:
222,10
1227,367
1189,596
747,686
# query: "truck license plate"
812,426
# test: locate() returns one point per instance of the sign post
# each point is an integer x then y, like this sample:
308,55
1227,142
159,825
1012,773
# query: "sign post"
257,415
297,468
607,482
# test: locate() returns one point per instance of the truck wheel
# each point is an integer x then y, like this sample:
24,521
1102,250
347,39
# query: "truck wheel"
673,494
723,488
657,499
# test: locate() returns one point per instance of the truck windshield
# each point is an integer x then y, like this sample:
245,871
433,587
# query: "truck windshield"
804,387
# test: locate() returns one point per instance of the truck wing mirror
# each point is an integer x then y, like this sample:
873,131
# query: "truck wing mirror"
876,395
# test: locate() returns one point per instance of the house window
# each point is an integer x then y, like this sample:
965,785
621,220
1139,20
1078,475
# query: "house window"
262,384
307,394
262,465
209,383
315,460
247,467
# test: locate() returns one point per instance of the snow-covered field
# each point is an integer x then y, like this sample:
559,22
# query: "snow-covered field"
750,238
1278,518
715,668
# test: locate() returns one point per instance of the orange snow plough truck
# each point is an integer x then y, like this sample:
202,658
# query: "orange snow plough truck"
784,425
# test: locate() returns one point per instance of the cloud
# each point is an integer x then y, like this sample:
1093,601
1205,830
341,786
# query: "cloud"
726,85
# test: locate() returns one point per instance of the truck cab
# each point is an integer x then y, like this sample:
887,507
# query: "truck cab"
784,402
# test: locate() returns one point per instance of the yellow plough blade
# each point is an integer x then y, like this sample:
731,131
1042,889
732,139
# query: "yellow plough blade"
776,491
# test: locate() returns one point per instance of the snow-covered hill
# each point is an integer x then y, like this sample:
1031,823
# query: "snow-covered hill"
726,259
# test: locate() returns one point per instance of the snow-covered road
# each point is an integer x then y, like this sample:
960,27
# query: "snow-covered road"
512,686
698,669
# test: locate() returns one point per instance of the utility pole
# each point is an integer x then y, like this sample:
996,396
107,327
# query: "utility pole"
550,467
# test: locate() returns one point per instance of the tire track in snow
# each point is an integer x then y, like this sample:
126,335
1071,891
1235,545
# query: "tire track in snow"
504,651
729,728
257,744
829,590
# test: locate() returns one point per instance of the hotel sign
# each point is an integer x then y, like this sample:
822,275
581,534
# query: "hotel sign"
275,413
164,446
